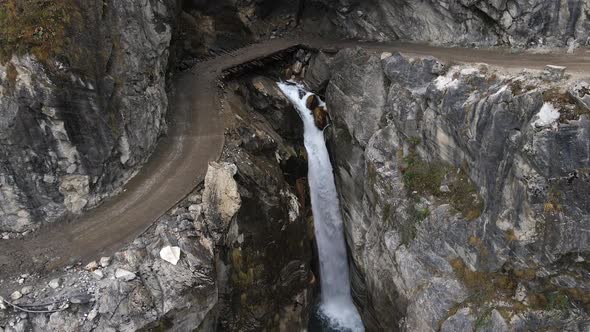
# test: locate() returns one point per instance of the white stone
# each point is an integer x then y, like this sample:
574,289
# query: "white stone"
54,283
297,68
194,198
71,169
91,266
2,305
520,293
124,274
195,208
221,199
124,148
92,314
554,73
16,295
546,117
572,45
170,254
26,290
444,189
468,71
385,55
75,189
98,274
49,111
105,261
446,81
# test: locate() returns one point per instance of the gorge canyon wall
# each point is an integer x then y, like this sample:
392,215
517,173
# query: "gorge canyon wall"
80,114
464,197
464,189
461,22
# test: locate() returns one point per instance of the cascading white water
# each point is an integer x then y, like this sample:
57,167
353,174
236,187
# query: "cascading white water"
336,305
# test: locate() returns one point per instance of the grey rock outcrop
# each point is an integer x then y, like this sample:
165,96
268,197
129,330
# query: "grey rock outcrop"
268,243
74,128
221,197
155,294
245,261
452,196
465,22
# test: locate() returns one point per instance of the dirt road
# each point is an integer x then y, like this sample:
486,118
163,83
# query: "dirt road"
195,137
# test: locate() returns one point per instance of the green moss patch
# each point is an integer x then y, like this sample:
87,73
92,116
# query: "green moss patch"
426,178
488,285
35,26
496,290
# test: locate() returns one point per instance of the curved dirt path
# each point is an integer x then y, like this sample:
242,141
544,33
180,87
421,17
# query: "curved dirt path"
178,164
195,137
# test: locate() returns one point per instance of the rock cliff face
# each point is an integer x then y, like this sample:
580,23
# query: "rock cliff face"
244,239
465,22
463,191
79,118
245,245
210,27
75,125
267,251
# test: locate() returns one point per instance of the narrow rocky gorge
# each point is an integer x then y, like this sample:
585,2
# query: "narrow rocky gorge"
463,187
245,240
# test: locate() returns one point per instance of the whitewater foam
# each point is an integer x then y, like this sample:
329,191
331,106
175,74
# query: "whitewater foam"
336,306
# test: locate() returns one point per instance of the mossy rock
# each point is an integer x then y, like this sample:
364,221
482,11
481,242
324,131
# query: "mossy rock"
35,26
569,109
426,178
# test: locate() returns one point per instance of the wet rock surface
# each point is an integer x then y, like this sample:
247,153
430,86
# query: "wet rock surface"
267,259
321,117
458,213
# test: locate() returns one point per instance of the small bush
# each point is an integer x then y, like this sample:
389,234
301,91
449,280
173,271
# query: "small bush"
422,176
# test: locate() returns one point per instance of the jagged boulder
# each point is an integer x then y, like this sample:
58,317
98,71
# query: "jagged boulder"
312,102
581,92
319,72
321,117
320,114
265,97
221,199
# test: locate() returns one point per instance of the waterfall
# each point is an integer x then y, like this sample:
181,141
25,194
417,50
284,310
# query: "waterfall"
336,306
